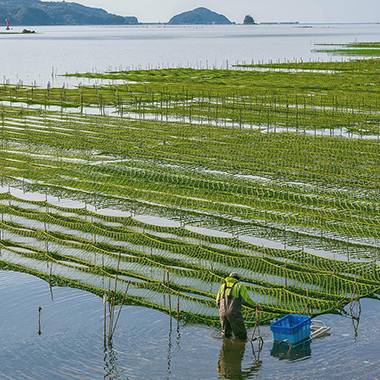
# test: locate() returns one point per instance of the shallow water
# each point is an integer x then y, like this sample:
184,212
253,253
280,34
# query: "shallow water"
70,345
255,239
40,58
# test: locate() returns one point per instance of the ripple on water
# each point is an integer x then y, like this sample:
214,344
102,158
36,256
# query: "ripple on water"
71,342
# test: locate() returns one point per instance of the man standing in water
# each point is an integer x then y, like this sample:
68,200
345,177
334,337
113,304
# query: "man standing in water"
229,299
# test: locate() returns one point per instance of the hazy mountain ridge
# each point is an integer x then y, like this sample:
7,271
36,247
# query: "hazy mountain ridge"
35,12
199,16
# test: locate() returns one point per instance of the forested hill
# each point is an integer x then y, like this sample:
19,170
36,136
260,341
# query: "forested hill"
35,12
199,16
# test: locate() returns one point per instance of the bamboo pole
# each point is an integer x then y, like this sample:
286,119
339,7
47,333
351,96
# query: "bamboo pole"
113,299
178,305
286,276
39,320
169,298
105,319
120,309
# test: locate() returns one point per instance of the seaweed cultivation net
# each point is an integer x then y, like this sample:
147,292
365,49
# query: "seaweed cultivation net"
186,162
83,248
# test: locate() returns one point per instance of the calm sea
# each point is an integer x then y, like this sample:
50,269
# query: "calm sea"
68,49
68,343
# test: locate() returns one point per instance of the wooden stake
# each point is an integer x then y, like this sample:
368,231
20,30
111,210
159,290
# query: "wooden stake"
355,291
39,320
334,262
121,307
256,325
113,299
286,276
169,299
178,305
105,318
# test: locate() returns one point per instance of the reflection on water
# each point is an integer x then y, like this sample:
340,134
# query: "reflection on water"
170,345
231,360
284,351
111,370
355,313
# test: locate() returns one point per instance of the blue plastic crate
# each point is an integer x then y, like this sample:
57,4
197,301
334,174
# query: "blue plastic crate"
292,327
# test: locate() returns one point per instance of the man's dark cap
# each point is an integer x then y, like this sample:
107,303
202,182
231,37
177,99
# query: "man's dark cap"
235,275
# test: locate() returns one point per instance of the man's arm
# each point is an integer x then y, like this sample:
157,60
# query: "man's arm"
245,296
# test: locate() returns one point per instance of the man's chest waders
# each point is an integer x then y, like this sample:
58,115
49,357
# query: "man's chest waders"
230,314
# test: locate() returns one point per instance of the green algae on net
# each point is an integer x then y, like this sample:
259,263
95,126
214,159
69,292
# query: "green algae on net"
85,254
282,175
364,49
330,97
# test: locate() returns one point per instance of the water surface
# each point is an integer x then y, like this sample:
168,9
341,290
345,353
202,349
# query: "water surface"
147,346
55,50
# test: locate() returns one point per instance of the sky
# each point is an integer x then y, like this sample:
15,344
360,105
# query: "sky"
235,10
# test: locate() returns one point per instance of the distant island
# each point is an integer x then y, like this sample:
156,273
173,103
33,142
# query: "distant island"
200,16
248,20
35,12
